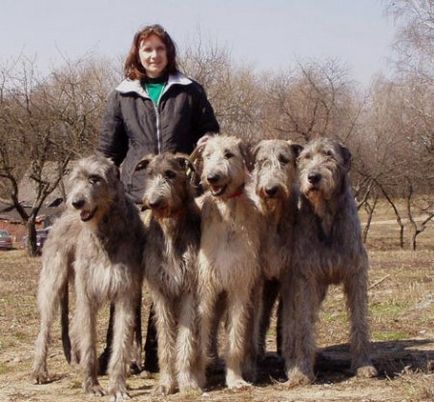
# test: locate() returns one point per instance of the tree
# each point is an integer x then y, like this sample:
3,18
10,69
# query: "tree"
415,38
46,120
314,99
395,146
231,89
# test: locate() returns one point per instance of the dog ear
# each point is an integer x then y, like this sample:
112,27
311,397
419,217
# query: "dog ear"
185,163
193,168
143,163
112,174
197,153
246,153
295,149
196,159
254,151
346,156
117,172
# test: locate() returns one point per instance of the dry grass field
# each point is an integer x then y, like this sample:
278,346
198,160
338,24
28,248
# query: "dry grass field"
401,298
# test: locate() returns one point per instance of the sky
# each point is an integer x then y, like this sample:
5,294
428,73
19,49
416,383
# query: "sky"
266,34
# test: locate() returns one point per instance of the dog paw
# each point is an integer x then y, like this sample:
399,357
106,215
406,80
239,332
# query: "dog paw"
94,389
146,375
40,376
189,385
238,384
297,378
367,371
119,396
135,368
250,374
164,389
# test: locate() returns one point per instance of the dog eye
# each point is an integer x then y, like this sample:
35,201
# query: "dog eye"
283,160
330,154
169,174
94,179
228,155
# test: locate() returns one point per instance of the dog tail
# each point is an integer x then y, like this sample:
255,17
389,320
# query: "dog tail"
64,322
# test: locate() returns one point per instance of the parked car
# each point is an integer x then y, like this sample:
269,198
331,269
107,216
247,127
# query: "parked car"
5,240
41,236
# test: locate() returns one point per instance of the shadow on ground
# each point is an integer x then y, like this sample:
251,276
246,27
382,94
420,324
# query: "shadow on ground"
333,363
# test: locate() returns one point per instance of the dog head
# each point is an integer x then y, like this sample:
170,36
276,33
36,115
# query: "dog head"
223,164
323,165
167,185
95,185
275,169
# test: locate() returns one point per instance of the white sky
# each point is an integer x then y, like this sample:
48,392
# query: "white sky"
268,34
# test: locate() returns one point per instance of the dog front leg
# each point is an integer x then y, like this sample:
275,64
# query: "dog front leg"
86,316
238,309
121,347
166,334
356,293
190,376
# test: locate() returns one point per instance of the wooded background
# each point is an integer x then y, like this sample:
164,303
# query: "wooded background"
388,127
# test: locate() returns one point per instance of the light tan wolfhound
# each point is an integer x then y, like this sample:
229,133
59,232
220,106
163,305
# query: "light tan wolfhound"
170,260
228,255
274,183
328,250
99,238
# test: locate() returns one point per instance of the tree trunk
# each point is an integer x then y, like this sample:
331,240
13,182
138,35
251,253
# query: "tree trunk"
32,249
370,210
413,223
397,215
413,239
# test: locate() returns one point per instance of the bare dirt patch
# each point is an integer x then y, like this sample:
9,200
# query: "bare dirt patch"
402,323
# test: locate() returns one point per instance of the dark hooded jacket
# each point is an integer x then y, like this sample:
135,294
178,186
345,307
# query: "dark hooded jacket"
133,126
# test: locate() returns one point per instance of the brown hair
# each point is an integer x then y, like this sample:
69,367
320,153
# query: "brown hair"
133,68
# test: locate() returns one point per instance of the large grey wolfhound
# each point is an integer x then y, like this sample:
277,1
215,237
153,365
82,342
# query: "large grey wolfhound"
328,250
98,239
274,180
228,255
170,259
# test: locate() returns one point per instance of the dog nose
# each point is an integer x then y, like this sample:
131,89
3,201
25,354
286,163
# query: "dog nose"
155,203
271,191
77,204
314,178
213,178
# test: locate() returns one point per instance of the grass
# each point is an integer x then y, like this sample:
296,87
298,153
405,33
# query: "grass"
385,236
391,309
389,335
4,369
401,312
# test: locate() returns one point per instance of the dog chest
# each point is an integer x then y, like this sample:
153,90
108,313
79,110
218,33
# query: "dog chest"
106,281
231,252
170,266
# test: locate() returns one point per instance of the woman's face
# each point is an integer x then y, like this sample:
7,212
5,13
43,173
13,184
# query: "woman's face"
153,56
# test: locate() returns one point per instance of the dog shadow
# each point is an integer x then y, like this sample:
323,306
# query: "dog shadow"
391,358
52,379
333,363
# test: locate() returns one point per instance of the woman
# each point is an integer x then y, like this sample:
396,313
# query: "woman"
154,109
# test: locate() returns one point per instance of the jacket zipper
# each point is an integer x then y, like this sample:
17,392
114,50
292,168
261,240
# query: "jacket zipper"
143,93
157,114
